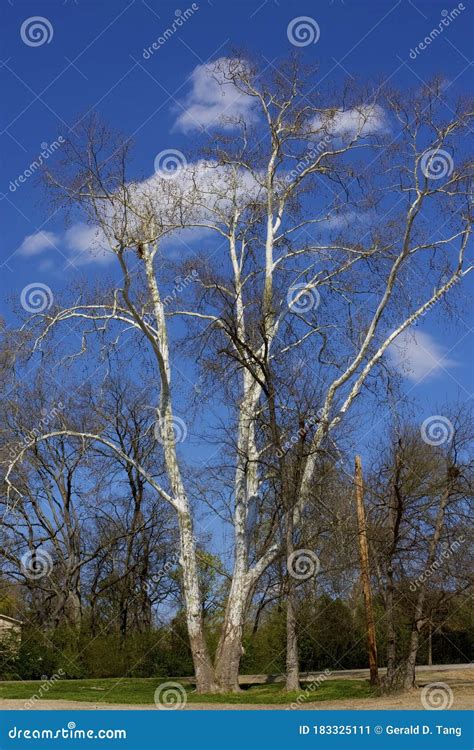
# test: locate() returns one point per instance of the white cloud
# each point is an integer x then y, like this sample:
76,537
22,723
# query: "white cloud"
82,244
86,244
417,355
214,100
204,190
359,121
35,244
349,219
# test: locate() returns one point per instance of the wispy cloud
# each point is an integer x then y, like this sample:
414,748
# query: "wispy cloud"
417,356
344,220
359,121
214,99
81,244
35,244
86,244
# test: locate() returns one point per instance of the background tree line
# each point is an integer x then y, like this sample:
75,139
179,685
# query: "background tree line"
103,597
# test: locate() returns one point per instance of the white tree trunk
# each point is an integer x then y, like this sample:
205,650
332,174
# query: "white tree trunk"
190,572
229,651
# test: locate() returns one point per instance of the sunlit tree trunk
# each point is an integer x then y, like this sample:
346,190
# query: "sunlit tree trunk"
365,573
418,620
292,655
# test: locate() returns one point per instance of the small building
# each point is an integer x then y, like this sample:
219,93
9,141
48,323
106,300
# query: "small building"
9,626
10,641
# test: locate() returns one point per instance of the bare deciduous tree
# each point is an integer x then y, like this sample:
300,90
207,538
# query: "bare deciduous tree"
314,201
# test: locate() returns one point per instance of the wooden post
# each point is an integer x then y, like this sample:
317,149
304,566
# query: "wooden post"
430,643
365,573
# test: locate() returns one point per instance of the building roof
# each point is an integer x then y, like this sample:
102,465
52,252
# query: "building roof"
11,619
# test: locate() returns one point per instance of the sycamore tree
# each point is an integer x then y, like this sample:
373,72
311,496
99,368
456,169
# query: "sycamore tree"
324,224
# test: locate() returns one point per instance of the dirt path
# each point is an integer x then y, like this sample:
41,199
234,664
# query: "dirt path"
463,699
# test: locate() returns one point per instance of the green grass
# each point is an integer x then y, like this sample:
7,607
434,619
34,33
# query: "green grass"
141,691
273,694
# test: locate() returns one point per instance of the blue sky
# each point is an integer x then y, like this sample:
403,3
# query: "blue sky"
94,61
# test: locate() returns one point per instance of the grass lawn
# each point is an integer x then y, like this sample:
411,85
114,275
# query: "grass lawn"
136,691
